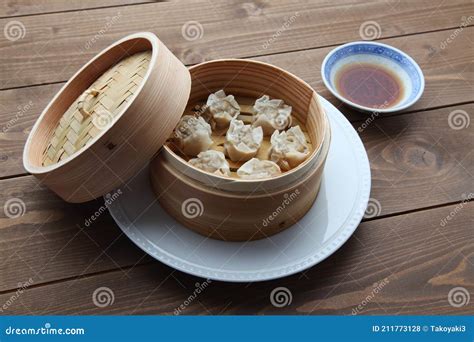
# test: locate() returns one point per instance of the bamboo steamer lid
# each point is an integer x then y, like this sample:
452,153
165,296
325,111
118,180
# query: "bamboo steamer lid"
109,119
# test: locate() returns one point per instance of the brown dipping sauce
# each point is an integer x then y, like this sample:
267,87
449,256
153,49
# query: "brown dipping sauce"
369,85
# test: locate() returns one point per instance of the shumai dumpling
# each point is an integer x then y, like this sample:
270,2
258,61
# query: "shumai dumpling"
242,141
289,148
193,135
271,115
212,161
223,108
256,169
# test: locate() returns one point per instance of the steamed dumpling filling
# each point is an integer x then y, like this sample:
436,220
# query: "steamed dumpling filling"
242,141
193,135
289,148
257,169
212,161
271,115
223,108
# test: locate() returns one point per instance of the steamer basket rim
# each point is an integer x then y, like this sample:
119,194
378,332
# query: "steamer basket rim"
34,169
314,154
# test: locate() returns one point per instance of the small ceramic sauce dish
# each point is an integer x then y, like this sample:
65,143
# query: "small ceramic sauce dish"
370,76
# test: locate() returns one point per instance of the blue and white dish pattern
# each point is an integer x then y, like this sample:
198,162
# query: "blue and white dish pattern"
375,53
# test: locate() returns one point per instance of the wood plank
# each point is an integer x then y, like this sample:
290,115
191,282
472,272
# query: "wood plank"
53,240
56,45
411,260
418,160
9,8
410,171
449,78
448,72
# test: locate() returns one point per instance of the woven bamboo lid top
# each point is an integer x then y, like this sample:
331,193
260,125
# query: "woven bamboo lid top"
109,120
97,108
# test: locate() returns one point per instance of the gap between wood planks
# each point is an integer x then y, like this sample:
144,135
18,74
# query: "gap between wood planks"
380,217
421,110
276,11
452,66
20,175
80,9
145,263
265,55
14,176
411,211
373,40
84,276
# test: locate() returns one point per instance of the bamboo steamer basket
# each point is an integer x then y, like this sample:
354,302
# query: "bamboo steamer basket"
109,119
233,209
116,113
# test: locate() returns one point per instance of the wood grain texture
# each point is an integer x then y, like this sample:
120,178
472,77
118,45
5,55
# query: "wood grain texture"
449,71
417,162
10,8
412,172
56,45
411,259
449,77
55,240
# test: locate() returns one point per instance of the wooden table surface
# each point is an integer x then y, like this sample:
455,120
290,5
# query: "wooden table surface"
419,245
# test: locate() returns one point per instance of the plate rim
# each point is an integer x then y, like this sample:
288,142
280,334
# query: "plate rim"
351,223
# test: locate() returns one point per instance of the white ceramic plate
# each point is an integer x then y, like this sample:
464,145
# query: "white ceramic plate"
333,218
